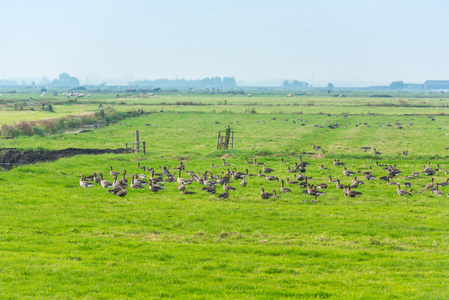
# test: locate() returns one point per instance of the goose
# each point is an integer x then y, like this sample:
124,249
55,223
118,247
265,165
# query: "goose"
117,183
224,195
182,180
376,152
138,179
322,186
355,183
124,179
323,168
314,192
384,178
407,184
275,195
215,167
257,163
332,180
289,170
139,167
104,183
267,170
340,186
225,164
445,183
184,192
113,173
338,163
415,174
391,183
347,172
243,183
122,192
181,186
301,177
116,189
246,161
348,192
369,176
260,174
237,175
96,178
265,195
155,179
211,182
291,182
210,189
134,184
155,187
84,183
271,178
429,185
228,187
247,173
438,192
379,165
304,163
283,188
402,192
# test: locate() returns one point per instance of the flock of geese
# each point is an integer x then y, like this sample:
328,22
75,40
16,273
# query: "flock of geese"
209,181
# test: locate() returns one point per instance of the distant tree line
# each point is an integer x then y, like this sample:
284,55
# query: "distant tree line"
206,83
294,84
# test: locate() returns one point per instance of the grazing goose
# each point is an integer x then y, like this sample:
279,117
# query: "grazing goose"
84,183
283,188
415,174
265,195
402,192
271,178
407,184
105,183
301,177
224,195
384,178
346,172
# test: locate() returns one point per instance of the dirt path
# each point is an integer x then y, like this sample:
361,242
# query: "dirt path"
10,157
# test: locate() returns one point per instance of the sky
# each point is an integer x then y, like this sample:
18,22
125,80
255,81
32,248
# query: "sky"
346,42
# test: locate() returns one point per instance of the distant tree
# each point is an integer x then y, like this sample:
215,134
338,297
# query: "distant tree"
397,85
65,80
294,84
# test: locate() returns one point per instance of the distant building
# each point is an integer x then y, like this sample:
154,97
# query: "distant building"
436,84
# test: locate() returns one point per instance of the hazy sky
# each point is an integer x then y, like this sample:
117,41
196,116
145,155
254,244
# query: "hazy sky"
252,40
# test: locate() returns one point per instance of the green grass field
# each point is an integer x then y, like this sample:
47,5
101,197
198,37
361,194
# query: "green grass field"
58,240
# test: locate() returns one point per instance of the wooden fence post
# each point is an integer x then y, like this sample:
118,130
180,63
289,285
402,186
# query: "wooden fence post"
137,140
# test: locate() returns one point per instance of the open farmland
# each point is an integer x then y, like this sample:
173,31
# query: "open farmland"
59,240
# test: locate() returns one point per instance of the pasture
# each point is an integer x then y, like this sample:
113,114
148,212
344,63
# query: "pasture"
59,240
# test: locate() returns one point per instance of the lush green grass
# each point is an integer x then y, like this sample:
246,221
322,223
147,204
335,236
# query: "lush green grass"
58,240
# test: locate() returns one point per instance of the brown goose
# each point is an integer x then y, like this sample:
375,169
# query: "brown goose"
346,172
348,192
444,183
184,192
243,183
430,185
105,183
275,195
291,182
155,187
283,188
247,173
402,192
322,186
134,184
210,189
224,195
84,183
122,192
265,195
182,180
437,192
267,170
369,176
340,186
257,163
271,178
113,173
332,180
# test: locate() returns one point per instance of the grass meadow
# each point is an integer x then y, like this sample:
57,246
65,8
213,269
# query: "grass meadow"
61,241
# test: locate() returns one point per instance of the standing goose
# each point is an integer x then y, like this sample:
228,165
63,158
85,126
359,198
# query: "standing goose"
243,183
104,183
438,192
429,185
113,173
224,195
402,192
283,188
